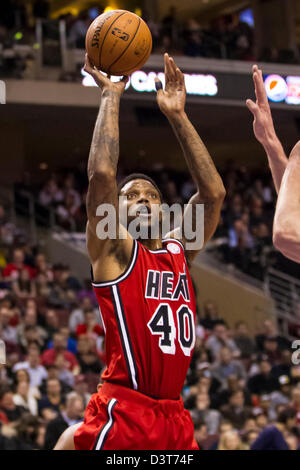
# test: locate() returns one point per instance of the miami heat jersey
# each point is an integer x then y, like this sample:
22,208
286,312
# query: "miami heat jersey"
149,319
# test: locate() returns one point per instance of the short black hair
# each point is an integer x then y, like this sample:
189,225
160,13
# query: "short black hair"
139,176
285,415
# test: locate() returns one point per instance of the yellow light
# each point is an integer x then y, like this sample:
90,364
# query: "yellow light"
138,11
108,9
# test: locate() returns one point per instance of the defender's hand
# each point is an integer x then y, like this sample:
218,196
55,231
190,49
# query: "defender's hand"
171,100
263,123
103,81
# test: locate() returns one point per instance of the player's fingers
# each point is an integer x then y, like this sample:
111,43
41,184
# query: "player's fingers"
88,67
125,79
158,85
168,69
173,66
252,107
260,90
180,77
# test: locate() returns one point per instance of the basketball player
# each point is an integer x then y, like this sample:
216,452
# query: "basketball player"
285,172
143,287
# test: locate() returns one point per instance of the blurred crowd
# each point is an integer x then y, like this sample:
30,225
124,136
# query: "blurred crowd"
242,389
54,341
225,37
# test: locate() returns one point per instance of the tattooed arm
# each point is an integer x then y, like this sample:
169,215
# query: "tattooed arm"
105,254
211,191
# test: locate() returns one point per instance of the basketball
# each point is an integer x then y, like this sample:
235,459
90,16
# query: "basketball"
118,42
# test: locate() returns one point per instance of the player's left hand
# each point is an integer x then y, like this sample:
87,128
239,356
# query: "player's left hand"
171,100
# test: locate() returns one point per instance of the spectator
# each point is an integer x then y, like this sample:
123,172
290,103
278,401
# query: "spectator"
211,418
295,403
64,374
263,382
87,357
30,321
272,437
226,366
51,323
270,331
72,414
219,339
283,395
13,269
36,371
71,342
50,194
243,340
49,405
26,397
230,440
77,315
8,407
78,31
283,368
222,397
9,333
24,287
60,347
81,388
235,411
90,327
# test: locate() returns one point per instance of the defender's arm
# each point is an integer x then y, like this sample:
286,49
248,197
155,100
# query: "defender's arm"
264,130
286,233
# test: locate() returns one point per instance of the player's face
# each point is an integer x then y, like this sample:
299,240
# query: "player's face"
143,201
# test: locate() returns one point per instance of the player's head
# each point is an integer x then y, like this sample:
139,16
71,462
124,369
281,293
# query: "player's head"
142,199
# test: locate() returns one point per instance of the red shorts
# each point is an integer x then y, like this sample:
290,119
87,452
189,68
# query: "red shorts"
118,418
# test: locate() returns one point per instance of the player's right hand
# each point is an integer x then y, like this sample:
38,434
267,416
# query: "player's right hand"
263,123
103,81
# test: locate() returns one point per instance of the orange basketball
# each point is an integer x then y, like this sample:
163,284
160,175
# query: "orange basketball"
118,42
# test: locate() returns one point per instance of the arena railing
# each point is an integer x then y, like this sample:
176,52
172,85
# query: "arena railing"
26,205
285,290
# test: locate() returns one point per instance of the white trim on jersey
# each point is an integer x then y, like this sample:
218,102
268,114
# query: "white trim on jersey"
170,240
107,427
125,274
125,337
102,320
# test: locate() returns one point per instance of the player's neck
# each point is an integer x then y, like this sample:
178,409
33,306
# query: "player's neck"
155,244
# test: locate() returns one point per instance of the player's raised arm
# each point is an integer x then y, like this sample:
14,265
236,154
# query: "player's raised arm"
264,130
286,232
102,169
211,191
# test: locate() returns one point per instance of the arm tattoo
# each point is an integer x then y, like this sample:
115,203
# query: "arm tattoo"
104,150
204,173
199,161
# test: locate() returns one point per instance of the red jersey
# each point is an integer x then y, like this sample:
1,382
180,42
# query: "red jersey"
149,317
